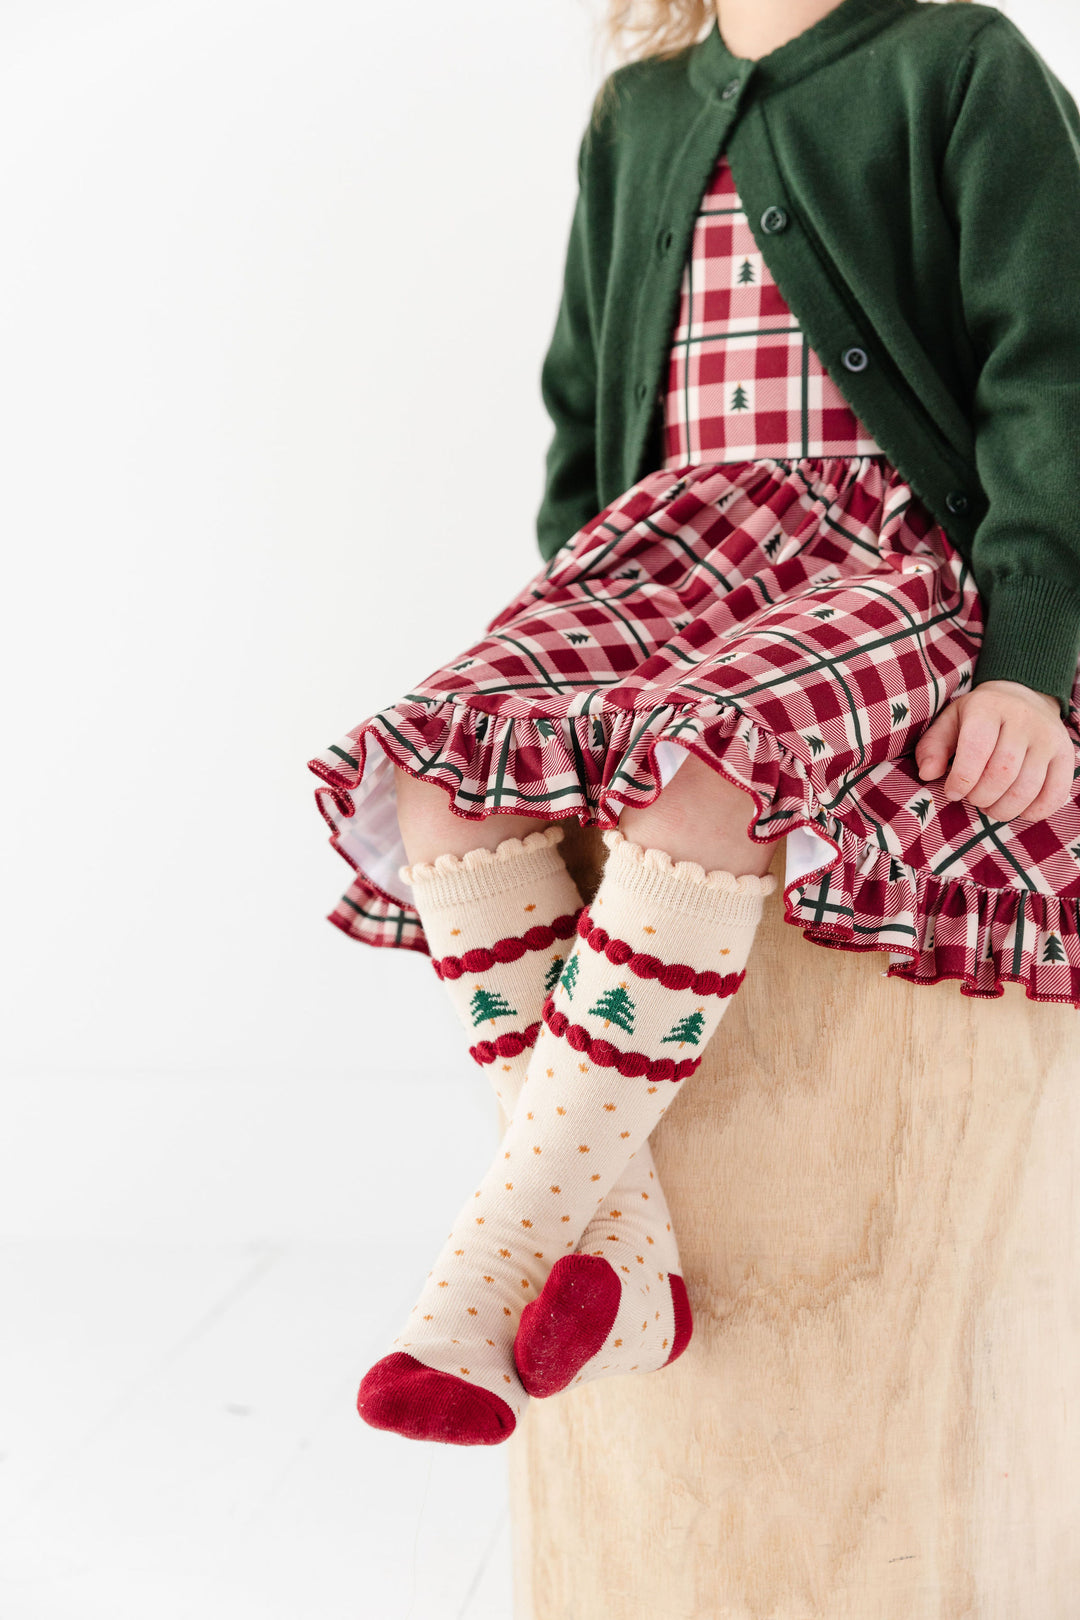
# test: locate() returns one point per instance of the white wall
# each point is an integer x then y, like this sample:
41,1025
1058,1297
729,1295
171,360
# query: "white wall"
277,280
275,284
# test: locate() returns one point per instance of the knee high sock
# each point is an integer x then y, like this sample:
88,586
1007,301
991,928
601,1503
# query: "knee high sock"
500,924
598,1080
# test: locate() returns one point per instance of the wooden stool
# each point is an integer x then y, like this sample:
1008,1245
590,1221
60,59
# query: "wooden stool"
876,1192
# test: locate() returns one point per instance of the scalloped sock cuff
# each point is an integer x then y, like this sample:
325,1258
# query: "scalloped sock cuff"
593,1091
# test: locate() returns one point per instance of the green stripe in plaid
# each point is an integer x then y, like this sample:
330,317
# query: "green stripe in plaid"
799,622
743,382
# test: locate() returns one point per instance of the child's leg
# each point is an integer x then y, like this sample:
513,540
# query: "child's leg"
587,1105
699,816
500,923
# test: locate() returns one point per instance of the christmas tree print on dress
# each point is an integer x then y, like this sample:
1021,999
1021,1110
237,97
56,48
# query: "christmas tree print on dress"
1053,950
615,1007
746,272
553,972
739,401
688,1029
489,1004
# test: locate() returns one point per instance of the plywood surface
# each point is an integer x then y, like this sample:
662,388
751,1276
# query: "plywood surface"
877,1197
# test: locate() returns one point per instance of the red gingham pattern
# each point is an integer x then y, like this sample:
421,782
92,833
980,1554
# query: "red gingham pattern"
796,622
743,382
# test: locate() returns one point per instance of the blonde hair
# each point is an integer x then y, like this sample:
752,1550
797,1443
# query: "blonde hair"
636,29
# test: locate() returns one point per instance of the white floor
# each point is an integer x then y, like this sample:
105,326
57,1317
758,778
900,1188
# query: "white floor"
178,1434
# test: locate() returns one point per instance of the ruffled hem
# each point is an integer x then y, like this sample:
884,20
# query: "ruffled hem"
597,763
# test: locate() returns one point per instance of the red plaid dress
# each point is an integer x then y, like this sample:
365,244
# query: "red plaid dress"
775,599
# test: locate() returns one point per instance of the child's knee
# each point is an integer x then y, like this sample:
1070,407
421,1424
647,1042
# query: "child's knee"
695,793
699,816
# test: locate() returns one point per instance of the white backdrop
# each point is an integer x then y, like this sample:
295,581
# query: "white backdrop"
278,278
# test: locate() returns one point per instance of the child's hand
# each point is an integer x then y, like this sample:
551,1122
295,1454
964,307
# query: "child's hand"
1011,754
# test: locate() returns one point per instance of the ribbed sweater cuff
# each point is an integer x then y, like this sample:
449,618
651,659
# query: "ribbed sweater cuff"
1032,636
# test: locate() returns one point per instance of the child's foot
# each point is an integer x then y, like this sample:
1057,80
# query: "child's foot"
422,1403
618,1304
599,1080
450,1375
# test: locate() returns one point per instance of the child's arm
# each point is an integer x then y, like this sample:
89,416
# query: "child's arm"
568,387
1011,184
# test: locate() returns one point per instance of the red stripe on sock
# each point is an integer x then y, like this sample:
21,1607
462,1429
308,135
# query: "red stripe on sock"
672,975
512,1044
632,1065
511,949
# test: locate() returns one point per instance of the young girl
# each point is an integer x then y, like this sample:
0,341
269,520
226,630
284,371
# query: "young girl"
813,572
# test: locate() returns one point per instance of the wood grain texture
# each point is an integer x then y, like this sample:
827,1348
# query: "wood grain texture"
876,1195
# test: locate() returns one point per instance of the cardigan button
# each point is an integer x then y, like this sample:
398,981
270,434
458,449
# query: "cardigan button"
774,219
731,89
855,359
957,502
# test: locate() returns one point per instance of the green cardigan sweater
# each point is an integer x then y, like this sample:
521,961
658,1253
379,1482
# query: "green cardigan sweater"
911,173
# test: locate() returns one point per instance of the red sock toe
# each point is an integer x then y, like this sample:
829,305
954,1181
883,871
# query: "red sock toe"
401,1394
684,1321
564,1328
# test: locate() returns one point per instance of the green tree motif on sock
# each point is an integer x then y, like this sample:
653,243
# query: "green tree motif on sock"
552,979
569,977
489,1004
615,1007
688,1029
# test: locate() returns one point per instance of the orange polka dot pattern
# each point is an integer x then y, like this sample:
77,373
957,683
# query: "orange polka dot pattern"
467,905
563,1134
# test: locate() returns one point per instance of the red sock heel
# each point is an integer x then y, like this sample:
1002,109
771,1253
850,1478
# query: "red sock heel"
564,1328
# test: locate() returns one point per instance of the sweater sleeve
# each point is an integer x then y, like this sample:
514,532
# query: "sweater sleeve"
568,388
1011,181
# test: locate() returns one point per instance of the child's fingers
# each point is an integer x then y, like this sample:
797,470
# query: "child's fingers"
975,746
1057,790
934,748
1027,784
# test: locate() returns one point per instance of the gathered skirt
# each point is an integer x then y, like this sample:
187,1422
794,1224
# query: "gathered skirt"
796,624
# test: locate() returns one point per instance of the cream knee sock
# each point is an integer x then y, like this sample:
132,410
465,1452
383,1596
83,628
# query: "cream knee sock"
586,1107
